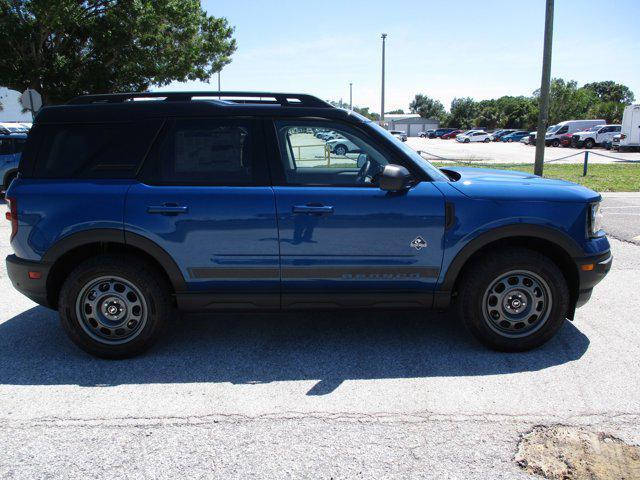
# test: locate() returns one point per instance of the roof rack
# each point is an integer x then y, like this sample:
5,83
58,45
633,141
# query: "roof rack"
224,98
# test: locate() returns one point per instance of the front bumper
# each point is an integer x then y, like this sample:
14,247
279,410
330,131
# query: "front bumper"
591,271
18,272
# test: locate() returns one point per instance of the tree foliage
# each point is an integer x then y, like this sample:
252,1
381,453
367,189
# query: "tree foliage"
65,48
427,107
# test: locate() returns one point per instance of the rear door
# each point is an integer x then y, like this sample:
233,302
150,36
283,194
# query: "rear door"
344,242
204,196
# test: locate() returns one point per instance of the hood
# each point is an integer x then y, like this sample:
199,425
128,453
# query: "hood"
509,185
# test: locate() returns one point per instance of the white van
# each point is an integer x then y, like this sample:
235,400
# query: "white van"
630,132
570,126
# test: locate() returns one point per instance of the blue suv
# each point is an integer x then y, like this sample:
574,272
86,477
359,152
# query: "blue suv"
126,211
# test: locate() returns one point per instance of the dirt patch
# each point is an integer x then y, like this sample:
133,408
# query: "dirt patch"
568,453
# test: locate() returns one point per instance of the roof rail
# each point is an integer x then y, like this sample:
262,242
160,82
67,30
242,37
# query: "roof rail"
259,98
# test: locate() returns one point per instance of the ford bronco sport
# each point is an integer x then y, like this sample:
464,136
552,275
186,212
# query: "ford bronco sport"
125,211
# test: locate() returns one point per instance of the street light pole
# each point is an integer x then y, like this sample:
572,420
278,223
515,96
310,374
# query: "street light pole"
545,86
384,37
350,96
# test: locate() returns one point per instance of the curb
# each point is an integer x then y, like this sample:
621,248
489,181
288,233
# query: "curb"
620,194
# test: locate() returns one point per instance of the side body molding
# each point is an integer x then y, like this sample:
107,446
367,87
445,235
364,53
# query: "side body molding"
122,237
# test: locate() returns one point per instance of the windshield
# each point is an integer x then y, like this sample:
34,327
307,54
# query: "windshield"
595,128
418,159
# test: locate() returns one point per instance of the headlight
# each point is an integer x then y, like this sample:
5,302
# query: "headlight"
595,219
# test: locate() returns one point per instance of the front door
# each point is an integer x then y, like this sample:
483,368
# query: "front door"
204,197
343,241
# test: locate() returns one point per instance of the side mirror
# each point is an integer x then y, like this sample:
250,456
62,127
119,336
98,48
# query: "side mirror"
395,178
362,159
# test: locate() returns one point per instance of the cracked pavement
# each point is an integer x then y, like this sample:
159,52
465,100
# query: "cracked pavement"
311,395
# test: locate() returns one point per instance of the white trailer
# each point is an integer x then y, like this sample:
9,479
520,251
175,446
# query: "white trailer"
630,132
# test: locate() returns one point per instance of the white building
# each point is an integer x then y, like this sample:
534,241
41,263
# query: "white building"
11,107
411,123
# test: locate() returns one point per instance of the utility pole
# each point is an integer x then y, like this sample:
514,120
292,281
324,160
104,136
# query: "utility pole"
350,96
384,37
545,86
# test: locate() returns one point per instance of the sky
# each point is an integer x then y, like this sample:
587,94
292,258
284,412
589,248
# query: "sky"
443,49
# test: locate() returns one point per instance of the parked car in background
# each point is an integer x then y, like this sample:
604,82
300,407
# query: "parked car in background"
615,142
552,137
532,138
630,132
399,134
342,146
11,146
14,127
565,140
514,136
426,133
442,131
595,136
475,136
498,134
452,134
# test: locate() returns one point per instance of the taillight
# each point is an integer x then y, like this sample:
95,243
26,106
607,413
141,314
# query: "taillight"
622,136
12,215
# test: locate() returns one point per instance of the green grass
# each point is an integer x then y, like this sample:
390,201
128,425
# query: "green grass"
619,177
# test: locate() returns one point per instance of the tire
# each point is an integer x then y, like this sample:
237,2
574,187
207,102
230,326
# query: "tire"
340,150
466,140
137,294
589,143
486,140
555,143
509,140
539,285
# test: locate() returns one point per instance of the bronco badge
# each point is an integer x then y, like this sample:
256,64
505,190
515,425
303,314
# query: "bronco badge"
418,243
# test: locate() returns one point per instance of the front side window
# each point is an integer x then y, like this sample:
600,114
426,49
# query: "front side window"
564,129
203,152
341,158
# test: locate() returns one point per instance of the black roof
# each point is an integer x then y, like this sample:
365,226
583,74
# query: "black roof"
138,106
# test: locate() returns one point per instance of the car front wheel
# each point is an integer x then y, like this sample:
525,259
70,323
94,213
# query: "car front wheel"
340,150
589,143
513,300
114,306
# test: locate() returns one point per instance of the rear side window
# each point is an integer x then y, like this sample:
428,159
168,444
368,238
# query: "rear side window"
205,152
113,150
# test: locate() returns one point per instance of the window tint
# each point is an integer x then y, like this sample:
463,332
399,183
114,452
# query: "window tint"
94,151
564,129
204,152
312,157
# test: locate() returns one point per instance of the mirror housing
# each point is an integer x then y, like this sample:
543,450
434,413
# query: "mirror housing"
362,159
395,178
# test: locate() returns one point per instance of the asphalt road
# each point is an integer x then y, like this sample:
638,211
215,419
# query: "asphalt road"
309,395
622,216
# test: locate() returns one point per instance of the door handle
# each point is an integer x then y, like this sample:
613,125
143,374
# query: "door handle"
167,209
313,209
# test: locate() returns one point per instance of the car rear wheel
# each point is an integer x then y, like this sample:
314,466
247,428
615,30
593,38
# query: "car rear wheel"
555,143
513,300
486,140
114,306
509,140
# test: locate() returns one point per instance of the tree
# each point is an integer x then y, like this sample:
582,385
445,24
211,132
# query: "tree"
610,91
567,101
64,48
399,111
427,107
463,112
610,111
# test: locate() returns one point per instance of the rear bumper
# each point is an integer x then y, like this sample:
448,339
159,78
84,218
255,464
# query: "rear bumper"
18,272
601,264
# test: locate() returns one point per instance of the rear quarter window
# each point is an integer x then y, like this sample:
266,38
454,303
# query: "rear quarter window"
110,150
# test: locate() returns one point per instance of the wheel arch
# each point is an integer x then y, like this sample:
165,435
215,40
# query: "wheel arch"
68,252
9,174
556,245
